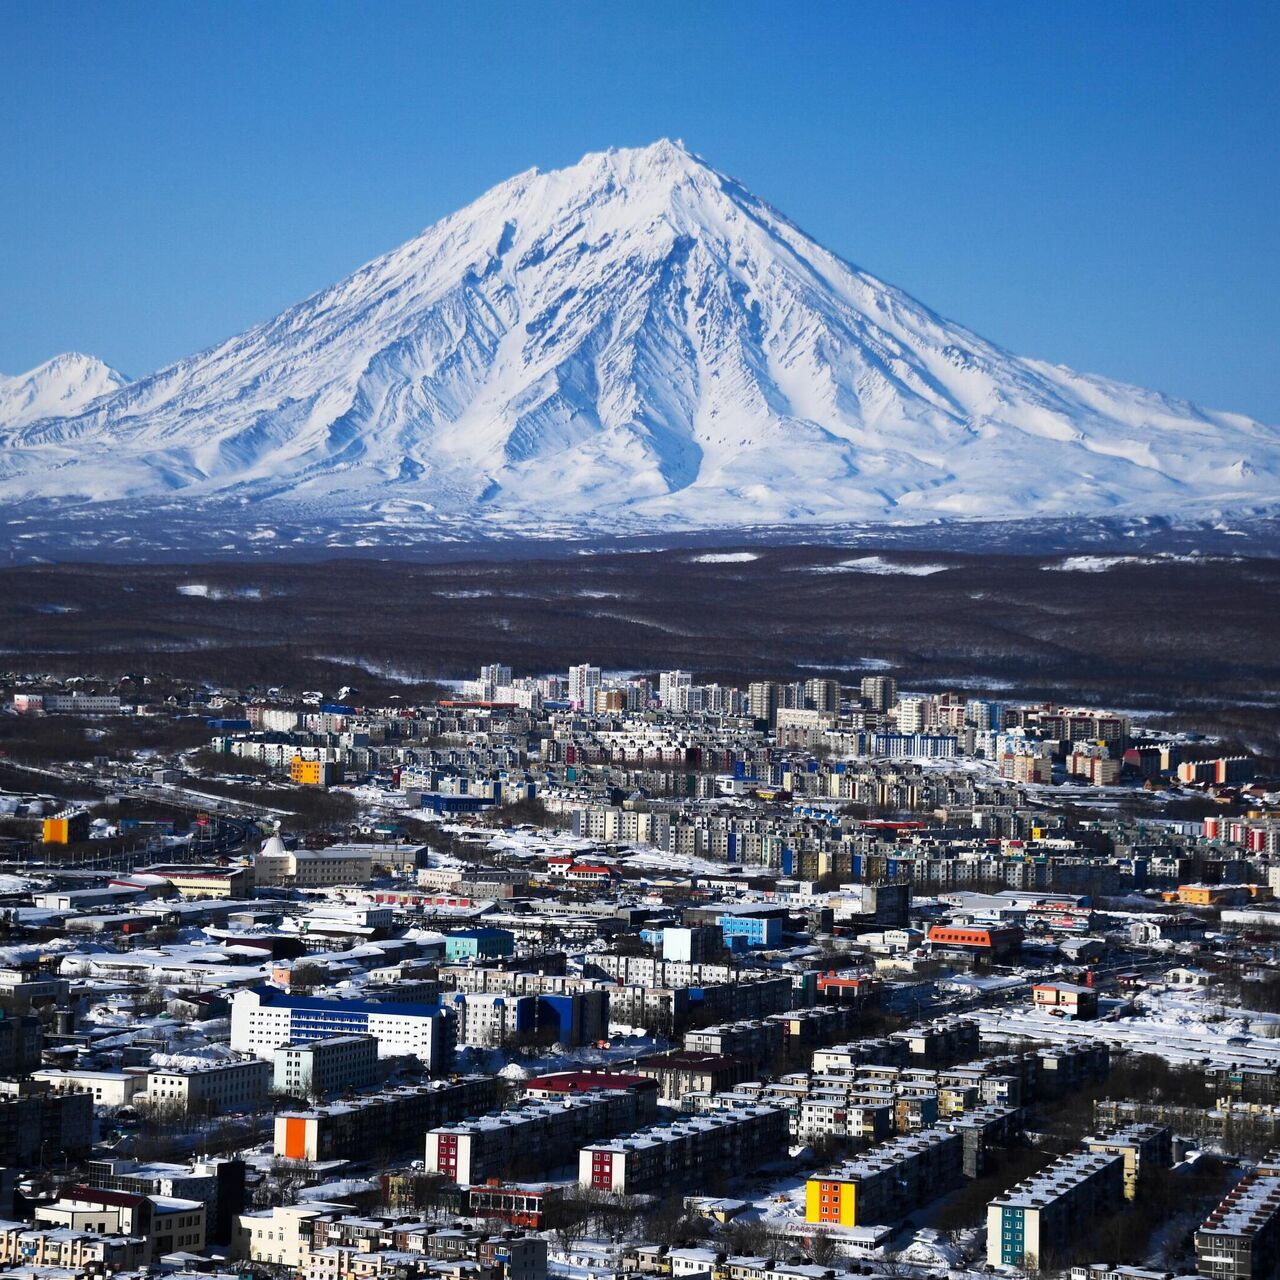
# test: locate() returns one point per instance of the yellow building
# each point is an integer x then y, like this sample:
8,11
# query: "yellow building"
830,1200
67,827
311,773
1207,895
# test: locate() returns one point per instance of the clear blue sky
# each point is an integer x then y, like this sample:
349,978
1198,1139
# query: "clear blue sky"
1095,184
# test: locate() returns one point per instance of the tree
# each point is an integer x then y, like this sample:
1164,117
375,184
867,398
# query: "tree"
748,1237
666,1222
306,977
567,1218
823,1248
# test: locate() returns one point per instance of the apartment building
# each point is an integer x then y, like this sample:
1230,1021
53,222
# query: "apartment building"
938,1043
758,1041
344,1130
322,1068
890,1181
264,1018
574,1011
677,1155
982,1131
513,1255
220,1086
835,1115
1036,1220
166,1224
75,1252
621,826
538,1136
1240,1239
490,1021
36,1124
1148,1146
684,1071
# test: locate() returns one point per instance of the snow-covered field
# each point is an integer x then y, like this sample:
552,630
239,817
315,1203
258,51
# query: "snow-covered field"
1180,1026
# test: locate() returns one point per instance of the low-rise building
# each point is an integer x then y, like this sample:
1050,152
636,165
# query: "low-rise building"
165,1224
1066,1000
106,1088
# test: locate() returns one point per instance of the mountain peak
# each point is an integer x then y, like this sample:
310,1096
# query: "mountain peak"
633,339
63,384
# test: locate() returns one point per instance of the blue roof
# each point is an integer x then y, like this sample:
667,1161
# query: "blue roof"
269,995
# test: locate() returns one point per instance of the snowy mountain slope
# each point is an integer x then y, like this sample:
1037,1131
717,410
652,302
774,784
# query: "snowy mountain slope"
631,338
64,385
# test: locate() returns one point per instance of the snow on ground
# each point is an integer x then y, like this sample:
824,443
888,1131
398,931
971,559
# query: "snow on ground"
1100,564
879,565
1179,1026
1096,564
725,557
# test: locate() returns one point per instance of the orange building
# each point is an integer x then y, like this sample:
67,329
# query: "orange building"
1209,895
312,773
68,827
984,940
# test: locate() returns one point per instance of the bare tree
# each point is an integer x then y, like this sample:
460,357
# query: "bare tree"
823,1248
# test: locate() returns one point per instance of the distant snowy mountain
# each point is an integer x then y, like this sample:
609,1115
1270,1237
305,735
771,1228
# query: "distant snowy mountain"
65,385
634,339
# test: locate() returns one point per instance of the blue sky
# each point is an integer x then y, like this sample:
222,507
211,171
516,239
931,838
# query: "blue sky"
1095,184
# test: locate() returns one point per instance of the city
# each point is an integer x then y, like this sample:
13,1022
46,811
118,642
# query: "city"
603,973
639,642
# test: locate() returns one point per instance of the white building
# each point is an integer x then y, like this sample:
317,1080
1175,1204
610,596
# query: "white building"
263,1019
328,1066
584,680
221,1086
109,1088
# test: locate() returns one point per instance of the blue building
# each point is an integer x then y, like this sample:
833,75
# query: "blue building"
747,932
478,944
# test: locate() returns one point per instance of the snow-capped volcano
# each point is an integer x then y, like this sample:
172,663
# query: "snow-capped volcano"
63,385
631,338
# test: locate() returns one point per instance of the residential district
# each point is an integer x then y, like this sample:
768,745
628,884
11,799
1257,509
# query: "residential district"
598,976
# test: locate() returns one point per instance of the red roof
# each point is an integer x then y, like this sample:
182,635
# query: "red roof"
584,1081
95,1195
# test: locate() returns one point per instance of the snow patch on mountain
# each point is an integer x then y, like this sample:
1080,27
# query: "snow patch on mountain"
636,340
